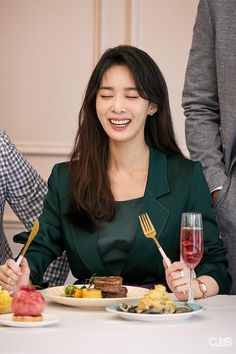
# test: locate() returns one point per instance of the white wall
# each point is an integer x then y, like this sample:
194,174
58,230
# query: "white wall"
48,50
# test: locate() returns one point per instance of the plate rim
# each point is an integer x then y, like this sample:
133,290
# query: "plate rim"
90,302
6,321
155,317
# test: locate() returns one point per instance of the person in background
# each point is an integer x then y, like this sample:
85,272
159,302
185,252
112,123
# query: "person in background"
125,161
24,190
209,102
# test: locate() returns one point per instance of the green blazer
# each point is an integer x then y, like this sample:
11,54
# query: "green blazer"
174,185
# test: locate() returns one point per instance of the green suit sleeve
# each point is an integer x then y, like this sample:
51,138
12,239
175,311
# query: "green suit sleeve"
48,243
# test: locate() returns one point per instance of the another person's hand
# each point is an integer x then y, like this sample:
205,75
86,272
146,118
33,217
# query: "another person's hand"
177,278
12,276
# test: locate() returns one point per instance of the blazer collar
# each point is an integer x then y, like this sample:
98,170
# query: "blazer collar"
157,183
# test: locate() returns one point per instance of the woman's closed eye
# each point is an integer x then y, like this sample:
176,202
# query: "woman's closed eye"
132,97
111,96
106,96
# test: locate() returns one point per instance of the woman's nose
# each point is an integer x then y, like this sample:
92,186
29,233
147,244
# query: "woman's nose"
118,105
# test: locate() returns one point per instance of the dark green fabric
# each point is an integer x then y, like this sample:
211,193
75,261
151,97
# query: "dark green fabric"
174,185
115,238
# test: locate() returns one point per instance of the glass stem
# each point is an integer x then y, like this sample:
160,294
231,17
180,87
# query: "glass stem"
190,293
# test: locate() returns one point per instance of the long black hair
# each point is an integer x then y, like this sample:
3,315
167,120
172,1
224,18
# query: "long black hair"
91,196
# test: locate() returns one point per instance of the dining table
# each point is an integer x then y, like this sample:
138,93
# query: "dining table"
95,331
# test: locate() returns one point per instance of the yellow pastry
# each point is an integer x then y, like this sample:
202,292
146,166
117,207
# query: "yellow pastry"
91,293
157,299
5,301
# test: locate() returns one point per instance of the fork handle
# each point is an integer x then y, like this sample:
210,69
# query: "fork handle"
18,262
162,252
166,259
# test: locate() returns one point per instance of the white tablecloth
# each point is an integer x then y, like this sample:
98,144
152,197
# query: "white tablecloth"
85,331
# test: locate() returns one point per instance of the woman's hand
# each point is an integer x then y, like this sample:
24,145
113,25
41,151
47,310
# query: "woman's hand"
12,276
177,277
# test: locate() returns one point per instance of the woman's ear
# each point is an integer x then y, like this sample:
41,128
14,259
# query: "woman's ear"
152,109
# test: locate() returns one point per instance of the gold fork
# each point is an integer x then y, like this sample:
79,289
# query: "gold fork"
150,232
32,235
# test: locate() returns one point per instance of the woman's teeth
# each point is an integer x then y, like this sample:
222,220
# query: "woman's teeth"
120,123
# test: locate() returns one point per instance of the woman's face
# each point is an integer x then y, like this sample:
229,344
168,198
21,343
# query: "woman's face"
122,112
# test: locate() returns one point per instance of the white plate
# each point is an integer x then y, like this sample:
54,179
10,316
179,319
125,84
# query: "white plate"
47,320
155,317
56,294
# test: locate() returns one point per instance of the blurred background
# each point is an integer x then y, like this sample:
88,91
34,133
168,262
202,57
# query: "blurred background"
48,51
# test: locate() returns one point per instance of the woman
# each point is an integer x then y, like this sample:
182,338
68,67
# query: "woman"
125,161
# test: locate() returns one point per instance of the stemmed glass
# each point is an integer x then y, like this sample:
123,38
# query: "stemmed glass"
191,244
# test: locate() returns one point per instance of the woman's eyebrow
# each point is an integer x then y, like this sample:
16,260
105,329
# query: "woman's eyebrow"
131,89
106,88
112,88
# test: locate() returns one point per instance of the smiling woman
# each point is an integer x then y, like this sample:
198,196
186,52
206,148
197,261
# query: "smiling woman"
125,162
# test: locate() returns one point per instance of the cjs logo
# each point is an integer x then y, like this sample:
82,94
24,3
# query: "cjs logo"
220,341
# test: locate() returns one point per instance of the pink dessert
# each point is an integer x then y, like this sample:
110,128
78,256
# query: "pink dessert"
28,305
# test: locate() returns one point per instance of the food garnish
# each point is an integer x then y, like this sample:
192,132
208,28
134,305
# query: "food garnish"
70,290
76,291
156,301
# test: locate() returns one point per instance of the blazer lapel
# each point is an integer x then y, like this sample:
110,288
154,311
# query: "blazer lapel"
86,245
157,185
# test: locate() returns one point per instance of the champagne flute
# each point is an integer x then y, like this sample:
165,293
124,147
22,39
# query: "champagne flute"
191,244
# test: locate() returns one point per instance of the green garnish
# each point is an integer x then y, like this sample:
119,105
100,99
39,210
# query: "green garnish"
70,290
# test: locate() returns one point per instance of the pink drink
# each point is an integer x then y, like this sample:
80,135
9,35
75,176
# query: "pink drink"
191,245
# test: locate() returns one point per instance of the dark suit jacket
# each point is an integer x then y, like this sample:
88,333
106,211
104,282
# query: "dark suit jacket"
209,96
174,185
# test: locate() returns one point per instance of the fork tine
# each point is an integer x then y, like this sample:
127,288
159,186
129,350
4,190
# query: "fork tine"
141,223
148,221
145,222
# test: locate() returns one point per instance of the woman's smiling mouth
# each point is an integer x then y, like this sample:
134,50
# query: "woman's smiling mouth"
119,123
